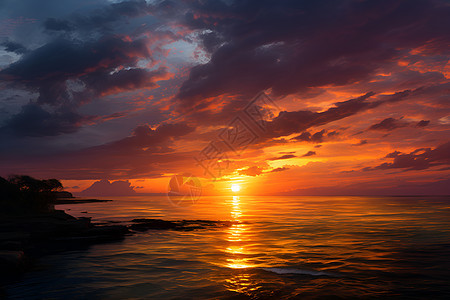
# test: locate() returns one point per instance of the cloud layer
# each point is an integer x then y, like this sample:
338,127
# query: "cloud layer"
133,90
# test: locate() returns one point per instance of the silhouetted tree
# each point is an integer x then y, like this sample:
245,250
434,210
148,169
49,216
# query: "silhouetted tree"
28,183
25,194
52,185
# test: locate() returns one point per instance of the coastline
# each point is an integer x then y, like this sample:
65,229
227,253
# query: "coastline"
76,200
26,238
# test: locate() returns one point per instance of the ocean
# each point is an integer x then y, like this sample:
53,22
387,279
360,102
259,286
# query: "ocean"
293,247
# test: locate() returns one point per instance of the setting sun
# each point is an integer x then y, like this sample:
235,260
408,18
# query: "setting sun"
235,187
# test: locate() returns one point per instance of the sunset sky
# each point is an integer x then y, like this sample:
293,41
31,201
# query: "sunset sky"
133,91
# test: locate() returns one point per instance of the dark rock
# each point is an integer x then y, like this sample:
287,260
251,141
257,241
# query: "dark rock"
12,262
183,225
62,194
11,245
113,231
146,224
11,258
79,201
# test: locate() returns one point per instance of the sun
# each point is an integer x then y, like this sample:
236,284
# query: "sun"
235,187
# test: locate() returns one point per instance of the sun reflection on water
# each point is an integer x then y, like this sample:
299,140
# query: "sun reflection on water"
237,238
242,283
241,279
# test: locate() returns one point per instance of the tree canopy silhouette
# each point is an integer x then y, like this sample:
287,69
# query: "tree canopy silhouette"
25,194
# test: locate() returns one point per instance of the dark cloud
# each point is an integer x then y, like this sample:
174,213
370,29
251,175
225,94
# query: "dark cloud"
286,156
360,143
317,137
69,73
81,52
48,67
332,133
35,121
146,152
393,154
419,159
147,139
305,136
14,47
287,123
281,169
100,19
251,171
422,123
290,122
58,25
293,46
388,124
309,153
88,50
103,83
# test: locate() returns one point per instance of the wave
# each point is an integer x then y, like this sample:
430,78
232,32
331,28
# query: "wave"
298,271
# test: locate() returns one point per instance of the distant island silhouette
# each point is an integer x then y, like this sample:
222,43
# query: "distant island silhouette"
106,188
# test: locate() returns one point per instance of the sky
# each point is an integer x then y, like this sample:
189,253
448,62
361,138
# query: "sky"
280,97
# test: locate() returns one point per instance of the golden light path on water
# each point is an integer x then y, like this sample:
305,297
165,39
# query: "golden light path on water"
236,238
241,281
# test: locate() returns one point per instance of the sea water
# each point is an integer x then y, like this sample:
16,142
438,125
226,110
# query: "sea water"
283,248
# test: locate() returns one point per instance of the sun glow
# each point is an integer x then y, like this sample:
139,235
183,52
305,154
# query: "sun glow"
235,187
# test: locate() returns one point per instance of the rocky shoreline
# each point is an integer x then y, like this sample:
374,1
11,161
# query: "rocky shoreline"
25,238
73,200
